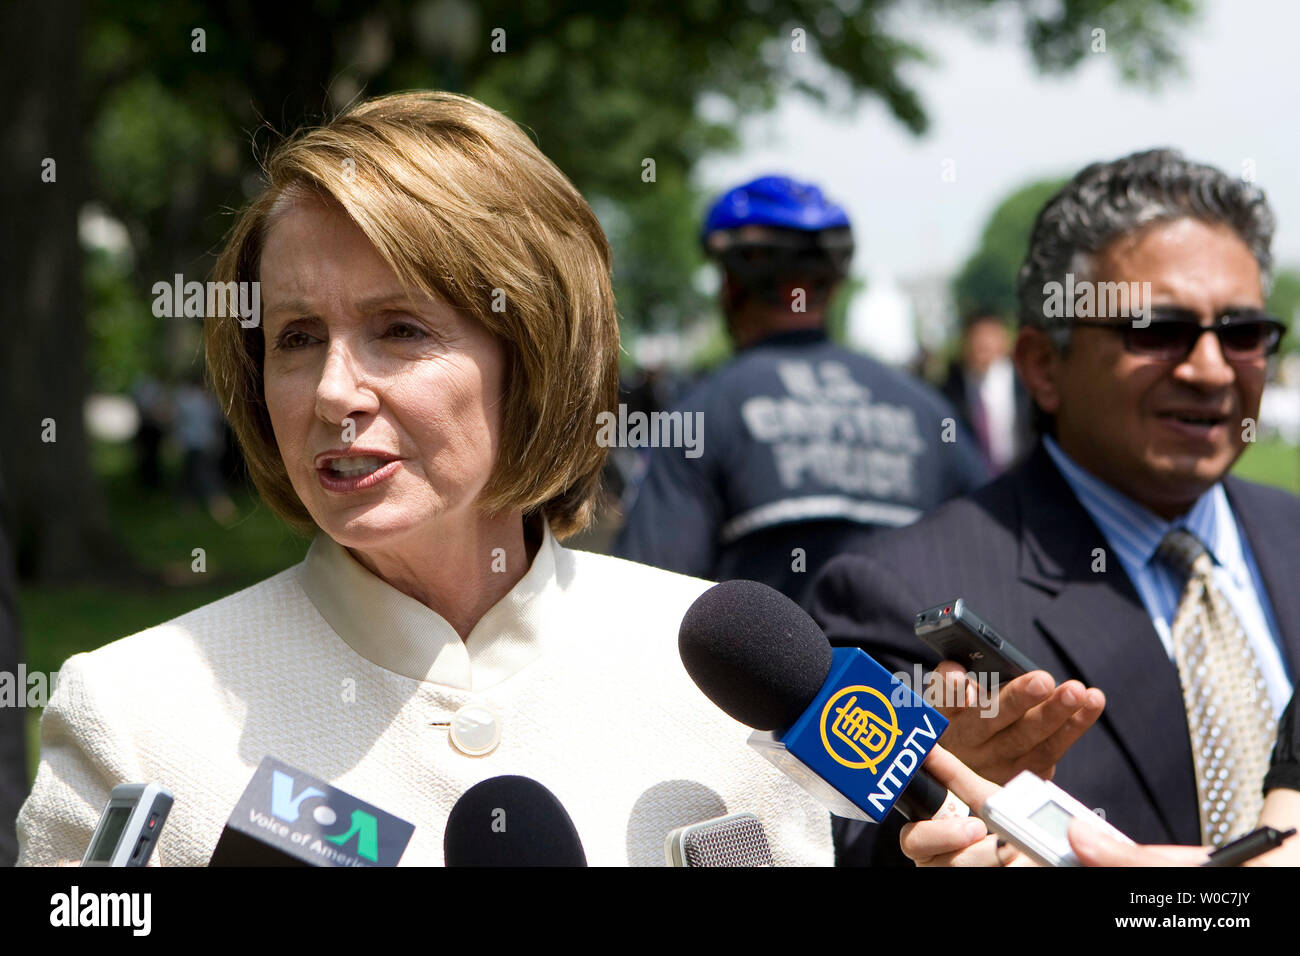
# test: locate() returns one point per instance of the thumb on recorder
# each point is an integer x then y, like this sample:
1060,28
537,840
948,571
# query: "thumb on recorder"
957,841
968,842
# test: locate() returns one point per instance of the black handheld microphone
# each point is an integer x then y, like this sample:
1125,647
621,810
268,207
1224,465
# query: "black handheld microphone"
760,657
510,821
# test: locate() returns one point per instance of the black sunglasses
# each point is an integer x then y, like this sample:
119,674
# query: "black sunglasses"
1172,333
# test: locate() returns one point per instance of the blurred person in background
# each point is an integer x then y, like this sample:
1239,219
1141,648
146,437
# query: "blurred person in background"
808,448
153,405
198,430
986,392
642,393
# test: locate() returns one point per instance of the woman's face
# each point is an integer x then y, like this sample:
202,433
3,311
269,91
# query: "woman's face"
386,410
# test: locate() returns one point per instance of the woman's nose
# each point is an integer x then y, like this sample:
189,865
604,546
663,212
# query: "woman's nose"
343,390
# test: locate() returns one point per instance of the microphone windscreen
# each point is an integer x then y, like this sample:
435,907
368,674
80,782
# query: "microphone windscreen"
754,652
510,821
735,840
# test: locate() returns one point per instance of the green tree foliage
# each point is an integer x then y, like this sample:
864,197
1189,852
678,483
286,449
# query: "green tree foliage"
1284,302
602,87
988,278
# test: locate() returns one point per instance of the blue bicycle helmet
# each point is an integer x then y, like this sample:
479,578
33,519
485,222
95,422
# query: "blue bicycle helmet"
776,201
773,228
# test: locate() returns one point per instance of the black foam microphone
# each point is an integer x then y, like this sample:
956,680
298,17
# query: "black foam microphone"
760,657
510,821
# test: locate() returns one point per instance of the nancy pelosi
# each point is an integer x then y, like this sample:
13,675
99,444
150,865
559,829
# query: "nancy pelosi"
437,337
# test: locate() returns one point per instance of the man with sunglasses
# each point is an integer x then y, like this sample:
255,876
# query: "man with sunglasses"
1120,557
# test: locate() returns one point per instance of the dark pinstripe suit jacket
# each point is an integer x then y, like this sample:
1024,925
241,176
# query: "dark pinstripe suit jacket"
1020,550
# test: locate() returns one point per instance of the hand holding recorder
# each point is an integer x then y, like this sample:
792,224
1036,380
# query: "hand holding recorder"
1028,724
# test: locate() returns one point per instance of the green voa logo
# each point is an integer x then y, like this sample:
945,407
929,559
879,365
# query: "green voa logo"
286,806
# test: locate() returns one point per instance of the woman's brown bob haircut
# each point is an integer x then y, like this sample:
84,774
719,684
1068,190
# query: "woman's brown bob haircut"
463,206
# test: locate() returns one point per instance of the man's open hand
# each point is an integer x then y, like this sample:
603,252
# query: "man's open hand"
1032,725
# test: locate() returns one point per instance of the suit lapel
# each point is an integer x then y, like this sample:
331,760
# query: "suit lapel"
1097,622
1275,556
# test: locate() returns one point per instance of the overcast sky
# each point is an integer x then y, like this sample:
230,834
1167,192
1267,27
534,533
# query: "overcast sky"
1003,124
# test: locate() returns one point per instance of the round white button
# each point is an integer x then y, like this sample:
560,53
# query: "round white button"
475,730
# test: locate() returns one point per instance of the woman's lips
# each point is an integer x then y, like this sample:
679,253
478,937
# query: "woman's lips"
338,483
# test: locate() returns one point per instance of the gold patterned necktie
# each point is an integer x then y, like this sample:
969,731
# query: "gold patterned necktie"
1229,715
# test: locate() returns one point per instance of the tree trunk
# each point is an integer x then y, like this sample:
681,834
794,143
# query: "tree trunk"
59,514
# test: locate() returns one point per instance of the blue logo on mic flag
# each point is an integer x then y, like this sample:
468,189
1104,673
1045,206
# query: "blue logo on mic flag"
865,733
283,803
315,822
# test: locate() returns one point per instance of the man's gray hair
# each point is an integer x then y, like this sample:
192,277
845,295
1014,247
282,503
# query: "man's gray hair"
1106,200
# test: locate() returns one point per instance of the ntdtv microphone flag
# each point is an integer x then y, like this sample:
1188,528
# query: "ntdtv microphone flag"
287,817
861,740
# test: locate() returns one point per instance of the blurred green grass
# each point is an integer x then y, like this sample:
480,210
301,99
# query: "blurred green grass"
1271,462
161,532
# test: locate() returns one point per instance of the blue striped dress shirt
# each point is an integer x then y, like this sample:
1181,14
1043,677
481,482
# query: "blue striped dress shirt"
1134,533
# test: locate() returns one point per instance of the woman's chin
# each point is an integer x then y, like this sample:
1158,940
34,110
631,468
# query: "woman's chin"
367,527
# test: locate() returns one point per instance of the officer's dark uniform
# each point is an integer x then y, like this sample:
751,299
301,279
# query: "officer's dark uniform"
806,449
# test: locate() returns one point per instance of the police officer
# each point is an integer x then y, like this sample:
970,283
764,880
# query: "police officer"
806,447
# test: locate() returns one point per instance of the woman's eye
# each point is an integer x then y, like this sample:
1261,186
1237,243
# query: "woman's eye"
291,339
404,330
